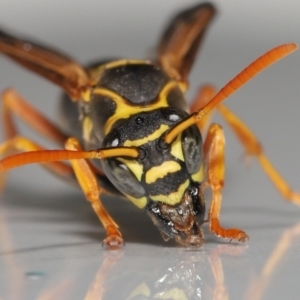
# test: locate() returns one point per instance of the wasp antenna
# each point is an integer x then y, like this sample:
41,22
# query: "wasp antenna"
45,156
248,73
243,77
118,151
42,156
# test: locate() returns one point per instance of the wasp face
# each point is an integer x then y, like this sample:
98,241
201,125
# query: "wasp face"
165,180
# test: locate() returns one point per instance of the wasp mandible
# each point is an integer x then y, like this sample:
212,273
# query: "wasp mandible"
127,130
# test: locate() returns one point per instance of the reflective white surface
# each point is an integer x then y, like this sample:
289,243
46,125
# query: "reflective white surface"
50,239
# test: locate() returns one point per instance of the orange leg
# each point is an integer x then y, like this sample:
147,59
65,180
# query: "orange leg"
248,140
13,103
82,169
97,287
254,148
220,290
214,157
92,191
259,285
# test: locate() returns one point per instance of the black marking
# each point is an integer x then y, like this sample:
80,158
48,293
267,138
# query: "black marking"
69,115
198,202
122,178
168,184
138,83
101,109
175,98
192,149
167,226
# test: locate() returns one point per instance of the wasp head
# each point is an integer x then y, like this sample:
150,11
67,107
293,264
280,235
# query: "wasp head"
165,179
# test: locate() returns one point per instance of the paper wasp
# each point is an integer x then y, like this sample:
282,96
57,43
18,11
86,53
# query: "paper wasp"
127,130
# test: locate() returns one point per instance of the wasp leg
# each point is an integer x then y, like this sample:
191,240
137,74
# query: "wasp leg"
13,103
97,287
214,157
258,286
253,148
89,185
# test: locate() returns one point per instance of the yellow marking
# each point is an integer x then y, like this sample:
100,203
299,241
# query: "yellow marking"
86,95
161,171
199,176
119,100
173,198
125,109
176,148
140,290
124,62
134,167
139,202
183,86
173,293
168,87
87,127
151,137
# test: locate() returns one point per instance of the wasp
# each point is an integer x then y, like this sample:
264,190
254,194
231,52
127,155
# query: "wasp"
126,129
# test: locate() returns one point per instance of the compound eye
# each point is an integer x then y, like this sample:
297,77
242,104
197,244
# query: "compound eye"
122,178
192,149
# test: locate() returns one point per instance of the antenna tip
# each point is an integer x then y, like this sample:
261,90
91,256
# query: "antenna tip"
290,47
293,46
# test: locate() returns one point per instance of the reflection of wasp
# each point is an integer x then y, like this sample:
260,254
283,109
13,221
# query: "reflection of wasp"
211,274
130,117
180,275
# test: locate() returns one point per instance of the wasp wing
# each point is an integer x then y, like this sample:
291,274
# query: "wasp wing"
179,43
56,67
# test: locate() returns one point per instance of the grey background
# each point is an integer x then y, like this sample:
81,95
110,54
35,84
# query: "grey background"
50,240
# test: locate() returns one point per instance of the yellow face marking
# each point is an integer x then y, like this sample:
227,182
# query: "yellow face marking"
87,127
153,136
199,176
139,202
173,198
134,167
161,171
125,109
176,148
